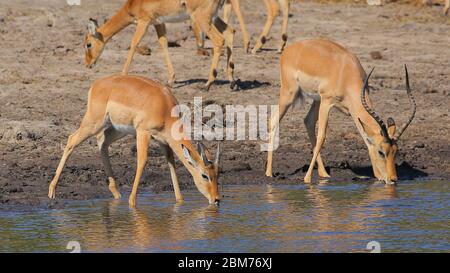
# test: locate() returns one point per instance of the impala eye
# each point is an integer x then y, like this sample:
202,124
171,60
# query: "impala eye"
205,177
89,46
381,154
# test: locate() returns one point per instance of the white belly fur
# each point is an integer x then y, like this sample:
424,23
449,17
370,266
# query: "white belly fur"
308,84
173,18
126,129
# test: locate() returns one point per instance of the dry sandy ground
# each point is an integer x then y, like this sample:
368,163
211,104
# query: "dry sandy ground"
43,88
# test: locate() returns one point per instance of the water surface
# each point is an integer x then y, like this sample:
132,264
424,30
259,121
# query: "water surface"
328,217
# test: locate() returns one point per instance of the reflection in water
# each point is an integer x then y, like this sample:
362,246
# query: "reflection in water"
329,217
325,217
116,227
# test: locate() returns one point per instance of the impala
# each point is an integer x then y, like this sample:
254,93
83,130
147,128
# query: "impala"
273,10
332,76
143,13
446,7
121,105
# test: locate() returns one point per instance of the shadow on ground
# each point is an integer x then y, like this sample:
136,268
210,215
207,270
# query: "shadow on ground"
404,171
240,85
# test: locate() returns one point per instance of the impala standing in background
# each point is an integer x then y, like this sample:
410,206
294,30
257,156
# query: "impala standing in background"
273,10
143,13
332,76
122,105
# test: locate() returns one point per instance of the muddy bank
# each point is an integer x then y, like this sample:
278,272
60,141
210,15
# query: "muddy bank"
43,87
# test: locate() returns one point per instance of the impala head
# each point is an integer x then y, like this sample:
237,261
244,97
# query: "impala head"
205,171
93,44
383,142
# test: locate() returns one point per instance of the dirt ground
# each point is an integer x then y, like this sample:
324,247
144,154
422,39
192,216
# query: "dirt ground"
44,85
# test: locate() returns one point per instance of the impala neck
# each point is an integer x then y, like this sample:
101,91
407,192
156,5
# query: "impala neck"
114,25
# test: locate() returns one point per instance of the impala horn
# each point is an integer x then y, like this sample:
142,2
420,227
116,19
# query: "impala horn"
371,112
412,103
201,151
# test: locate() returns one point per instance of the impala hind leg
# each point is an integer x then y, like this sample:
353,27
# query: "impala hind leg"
228,34
141,29
324,111
310,124
284,27
274,127
171,161
272,9
227,8
86,130
104,140
235,5
142,144
162,38
218,41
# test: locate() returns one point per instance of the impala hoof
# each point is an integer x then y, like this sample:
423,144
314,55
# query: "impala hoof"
51,192
203,52
170,83
207,87
117,196
232,85
51,195
307,179
247,48
132,203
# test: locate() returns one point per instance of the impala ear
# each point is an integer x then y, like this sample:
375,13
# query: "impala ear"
92,26
217,160
217,157
391,127
187,155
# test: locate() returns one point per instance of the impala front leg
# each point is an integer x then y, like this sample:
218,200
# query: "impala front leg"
171,161
142,143
200,39
162,38
323,124
141,29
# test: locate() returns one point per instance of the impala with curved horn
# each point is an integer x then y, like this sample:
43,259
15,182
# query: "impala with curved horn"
332,76
122,105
